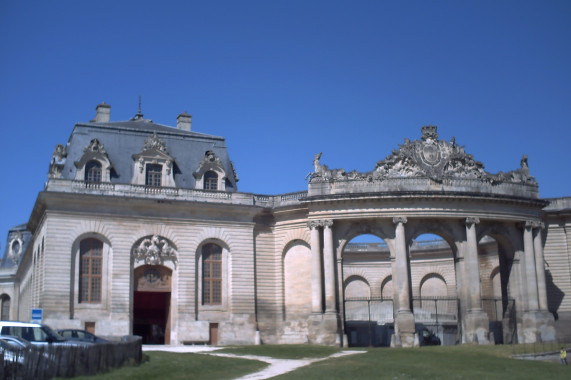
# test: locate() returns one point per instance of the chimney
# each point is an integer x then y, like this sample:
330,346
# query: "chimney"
183,121
102,113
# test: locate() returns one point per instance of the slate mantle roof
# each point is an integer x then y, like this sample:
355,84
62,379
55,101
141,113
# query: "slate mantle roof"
123,139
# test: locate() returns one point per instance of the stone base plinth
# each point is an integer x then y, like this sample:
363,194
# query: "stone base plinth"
324,329
404,330
476,327
538,326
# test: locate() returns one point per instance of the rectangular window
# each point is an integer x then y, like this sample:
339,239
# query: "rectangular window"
153,175
90,265
211,274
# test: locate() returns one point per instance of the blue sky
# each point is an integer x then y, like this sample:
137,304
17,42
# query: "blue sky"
283,80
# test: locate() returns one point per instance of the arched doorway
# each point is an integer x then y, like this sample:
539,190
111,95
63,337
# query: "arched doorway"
151,304
367,292
434,294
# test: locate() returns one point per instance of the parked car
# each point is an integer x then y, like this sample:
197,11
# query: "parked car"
429,338
80,335
35,333
13,348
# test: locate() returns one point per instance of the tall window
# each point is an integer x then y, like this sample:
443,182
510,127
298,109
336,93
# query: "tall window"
90,269
93,171
154,173
210,180
5,310
211,274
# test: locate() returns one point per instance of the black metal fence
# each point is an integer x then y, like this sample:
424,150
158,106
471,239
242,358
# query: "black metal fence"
46,362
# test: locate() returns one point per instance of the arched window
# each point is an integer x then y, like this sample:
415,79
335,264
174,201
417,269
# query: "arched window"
210,180
154,174
5,309
90,270
211,274
93,171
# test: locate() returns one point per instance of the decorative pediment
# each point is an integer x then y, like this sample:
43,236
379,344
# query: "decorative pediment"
209,162
426,158
154,250
94,151
57,163
155,143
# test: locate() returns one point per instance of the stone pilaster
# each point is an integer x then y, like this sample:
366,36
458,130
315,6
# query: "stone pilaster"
316,288
540,267
328,266
530,270
404,319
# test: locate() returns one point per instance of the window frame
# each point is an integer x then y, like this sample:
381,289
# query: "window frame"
211,180
93,168
153,176
93,261
212,277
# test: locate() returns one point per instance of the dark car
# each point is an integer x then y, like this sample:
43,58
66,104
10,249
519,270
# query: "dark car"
81,336
428,338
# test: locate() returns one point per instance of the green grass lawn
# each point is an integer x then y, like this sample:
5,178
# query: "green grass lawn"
452,362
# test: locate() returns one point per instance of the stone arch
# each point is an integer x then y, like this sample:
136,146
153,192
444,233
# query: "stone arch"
296,275
5,306
347,232
387,287
450,231
436,283
214,234
293,235
92,227
355,286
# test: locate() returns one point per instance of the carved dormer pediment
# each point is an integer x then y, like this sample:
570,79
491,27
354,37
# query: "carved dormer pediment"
95,151
153,152
210,163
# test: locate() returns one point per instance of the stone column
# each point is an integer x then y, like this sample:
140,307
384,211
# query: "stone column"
538,324
404,319
401,282
328,266
316,290
472,266
476,321
540,267
530,271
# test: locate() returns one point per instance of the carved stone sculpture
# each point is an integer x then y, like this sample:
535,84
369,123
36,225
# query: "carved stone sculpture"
154,250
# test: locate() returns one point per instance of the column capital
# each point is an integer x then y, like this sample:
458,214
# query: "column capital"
472,220
327,223
531,224
313,224
399,219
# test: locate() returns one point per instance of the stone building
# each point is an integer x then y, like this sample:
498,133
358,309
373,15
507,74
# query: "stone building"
141,230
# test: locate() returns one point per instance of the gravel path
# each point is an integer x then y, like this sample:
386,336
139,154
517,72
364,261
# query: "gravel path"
276,366
280,366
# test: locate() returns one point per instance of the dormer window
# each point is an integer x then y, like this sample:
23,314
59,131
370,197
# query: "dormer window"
153,176
94,165
93,171
211,174
210,180
153,166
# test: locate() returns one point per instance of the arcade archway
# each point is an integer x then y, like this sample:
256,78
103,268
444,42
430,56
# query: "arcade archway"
152,304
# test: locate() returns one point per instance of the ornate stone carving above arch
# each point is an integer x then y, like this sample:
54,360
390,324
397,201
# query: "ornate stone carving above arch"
154,250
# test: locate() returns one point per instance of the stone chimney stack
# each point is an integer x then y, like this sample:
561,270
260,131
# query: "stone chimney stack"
102,113
183,121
